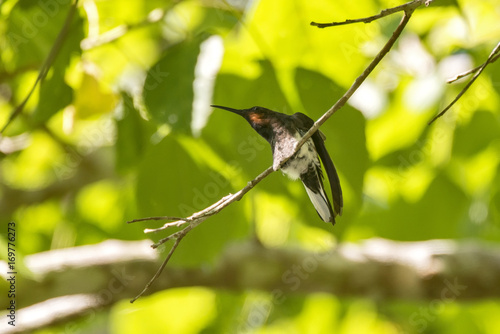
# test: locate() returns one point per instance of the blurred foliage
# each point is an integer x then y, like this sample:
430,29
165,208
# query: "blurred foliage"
112,134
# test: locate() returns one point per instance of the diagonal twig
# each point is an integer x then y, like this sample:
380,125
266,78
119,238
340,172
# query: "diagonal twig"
158,273
200,216
472,70
359,80
492,57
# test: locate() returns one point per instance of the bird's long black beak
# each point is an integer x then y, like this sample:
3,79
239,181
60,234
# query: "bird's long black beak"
236,111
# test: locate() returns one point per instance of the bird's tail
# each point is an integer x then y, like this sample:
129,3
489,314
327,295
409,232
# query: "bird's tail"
315,190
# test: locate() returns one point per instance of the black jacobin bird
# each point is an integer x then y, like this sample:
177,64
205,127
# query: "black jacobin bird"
283,132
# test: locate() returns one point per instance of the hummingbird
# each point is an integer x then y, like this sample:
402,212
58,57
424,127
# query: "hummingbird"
283,132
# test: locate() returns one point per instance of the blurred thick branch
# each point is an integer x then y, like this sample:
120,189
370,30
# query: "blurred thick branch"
77,282
96,40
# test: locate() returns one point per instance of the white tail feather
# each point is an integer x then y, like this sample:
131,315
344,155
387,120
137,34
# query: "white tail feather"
320,204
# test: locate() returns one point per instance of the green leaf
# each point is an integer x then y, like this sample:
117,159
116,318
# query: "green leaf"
160,190
168,90
238,92
40,26
493,70
408,156
132,136
472,138
435,216
217,21
170,182
55,94
33,28
93,98
494,211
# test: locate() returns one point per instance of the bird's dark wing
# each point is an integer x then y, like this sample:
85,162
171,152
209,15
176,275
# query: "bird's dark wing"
305,123
338,202
313,183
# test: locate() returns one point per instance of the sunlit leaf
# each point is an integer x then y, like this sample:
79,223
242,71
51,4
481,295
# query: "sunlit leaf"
421,220
184,301
92,98
475,136
74,168
33,32
55,94
168,90
172,183
133,133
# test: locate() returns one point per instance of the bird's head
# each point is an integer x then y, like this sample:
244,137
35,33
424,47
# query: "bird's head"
260,119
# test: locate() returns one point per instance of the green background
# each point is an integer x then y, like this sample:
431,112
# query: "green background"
108,137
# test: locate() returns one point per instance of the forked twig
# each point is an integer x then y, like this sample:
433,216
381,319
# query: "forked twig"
492,57
386,12
198,217
472,70
158,272
193,221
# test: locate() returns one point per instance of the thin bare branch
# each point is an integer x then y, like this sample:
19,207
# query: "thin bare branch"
154,218
359,80
493,54
158,273
473,70
386,12
176,223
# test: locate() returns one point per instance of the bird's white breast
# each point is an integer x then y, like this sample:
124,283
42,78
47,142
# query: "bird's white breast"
300,162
